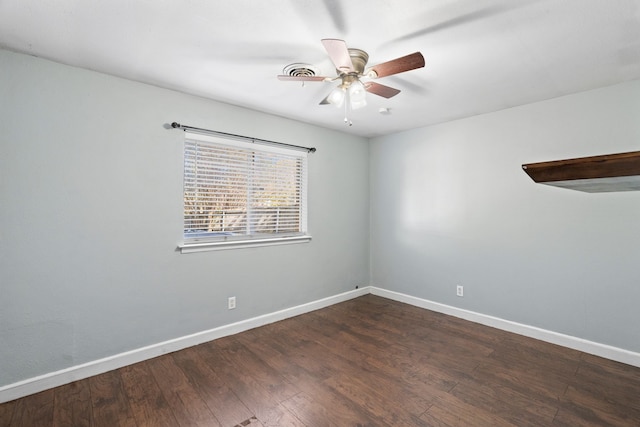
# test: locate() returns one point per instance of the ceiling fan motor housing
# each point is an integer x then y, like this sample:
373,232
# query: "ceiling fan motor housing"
359,58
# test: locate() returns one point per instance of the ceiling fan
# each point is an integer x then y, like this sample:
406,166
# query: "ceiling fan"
355,81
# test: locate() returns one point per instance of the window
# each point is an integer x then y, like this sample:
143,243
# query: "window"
238,193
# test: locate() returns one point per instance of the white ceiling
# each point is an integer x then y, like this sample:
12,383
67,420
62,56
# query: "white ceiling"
481,56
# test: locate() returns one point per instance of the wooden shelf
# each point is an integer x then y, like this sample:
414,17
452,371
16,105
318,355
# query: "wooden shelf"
596,174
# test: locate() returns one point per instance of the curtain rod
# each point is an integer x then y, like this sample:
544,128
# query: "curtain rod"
177,125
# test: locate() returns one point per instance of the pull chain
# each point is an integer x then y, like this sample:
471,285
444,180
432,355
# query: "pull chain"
347,104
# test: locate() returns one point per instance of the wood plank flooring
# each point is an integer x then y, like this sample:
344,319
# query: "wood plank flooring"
364,362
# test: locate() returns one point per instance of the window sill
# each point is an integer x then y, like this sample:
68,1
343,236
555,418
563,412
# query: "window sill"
187,248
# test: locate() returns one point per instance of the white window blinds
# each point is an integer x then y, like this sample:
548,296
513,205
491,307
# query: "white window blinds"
234,190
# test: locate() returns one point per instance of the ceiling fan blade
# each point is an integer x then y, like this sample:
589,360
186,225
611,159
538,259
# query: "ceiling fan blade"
339,54
325,101
335,9
303,78
399,65
470,17
381,90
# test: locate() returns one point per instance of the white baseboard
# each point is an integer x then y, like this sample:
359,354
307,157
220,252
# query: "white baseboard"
54,379
597,349
75,373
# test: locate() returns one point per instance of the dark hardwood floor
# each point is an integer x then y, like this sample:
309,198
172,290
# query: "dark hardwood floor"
365,362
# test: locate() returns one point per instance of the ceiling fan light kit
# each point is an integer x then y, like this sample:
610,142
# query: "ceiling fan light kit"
350,66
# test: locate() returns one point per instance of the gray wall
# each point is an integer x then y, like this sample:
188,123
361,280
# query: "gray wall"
451,206
91,213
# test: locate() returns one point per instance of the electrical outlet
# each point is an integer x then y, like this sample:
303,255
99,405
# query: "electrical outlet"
231,303
460,291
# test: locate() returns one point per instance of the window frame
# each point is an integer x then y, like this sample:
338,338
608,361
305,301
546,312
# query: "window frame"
210,243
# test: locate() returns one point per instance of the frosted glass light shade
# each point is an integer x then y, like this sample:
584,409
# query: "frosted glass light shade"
357,95
336,97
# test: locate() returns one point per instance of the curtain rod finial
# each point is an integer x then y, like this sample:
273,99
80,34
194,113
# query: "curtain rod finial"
175,125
